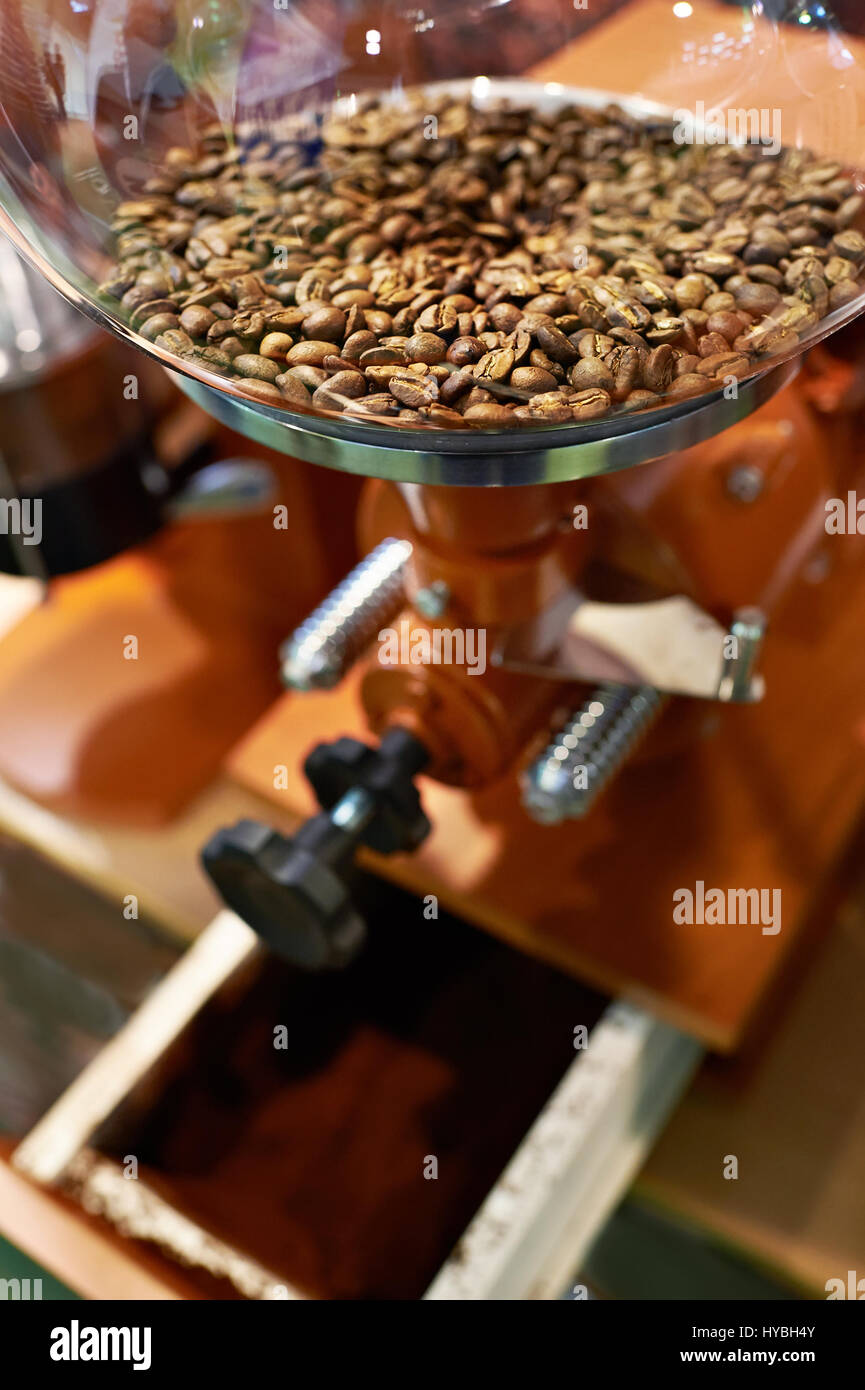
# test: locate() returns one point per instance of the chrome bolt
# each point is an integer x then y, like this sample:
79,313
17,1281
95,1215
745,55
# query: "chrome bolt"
746,483
587,751
319,653
432,601
738,679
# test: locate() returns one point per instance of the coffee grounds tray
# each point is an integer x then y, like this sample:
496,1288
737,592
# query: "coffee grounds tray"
340,1132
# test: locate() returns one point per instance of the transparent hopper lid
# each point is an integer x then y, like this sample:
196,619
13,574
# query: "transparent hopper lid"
451,240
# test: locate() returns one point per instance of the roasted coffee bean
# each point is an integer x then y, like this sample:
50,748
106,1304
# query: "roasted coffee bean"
533,380
196,319
727,323
690,291
262,390
527,251
595,344
310,352
552,408
666,328
293,390
175,340
413,391
722,364
490,413
326,325
378,404
426,347
252,364
756,299
554,343
624,366
442,416
689,384
716,303
456,386
658,369
640,400
309,376
589,372
151,328
590,405
849,244
843,293
276,345
506,316
495,365
686,364
712,343
357,344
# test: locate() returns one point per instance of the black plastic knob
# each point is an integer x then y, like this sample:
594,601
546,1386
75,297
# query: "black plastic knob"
289,893
292,890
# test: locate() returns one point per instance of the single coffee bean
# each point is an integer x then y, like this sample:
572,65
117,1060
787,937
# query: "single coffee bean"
426,347
728,324
554,343
716,303
383,357
712,343
640,400
686,364
457,385
505,316
348,383
690,291
850,244
379,404
174,340
533,380
353,299
310,377
293,390
159,323
590,372
495,365
357,344
413,391
310,352
196,319
253,365
595,344
262,390
489,414
624,365
443,417
667,328
687,385
276,345
757,299
658,369
326,325
767,275
590,405
552,408
724,364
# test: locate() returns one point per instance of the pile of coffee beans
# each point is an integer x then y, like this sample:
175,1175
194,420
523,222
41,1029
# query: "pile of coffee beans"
442,265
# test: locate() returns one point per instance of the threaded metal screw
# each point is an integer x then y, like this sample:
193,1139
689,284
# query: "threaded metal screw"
317,654
587,751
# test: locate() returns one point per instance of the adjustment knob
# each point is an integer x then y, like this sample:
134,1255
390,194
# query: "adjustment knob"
291,889
288,890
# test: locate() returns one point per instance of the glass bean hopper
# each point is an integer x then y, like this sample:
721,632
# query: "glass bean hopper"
344,190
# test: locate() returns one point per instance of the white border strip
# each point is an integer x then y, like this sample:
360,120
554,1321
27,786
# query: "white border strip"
575,1164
